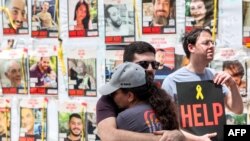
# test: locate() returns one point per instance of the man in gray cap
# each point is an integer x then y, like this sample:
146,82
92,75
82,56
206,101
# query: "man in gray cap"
132,90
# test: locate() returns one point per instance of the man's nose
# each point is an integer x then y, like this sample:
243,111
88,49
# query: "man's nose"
150,67
161,5
19,17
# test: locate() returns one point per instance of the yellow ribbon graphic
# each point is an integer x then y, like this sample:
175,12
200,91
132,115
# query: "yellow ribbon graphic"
199,93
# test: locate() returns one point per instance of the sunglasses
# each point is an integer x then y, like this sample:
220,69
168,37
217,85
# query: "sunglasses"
155,65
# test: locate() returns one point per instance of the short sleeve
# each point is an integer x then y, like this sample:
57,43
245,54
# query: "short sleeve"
105,108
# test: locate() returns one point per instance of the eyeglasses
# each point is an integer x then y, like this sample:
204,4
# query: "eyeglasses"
155,65
208,42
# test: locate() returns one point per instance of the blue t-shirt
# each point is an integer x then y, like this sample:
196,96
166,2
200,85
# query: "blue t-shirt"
185,75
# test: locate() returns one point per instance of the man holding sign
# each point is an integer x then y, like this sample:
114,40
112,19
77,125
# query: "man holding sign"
207,90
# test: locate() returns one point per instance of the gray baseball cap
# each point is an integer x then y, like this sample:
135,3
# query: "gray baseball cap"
126,75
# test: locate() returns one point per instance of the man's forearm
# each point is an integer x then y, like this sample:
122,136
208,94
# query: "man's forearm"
107,131
124,135
236,100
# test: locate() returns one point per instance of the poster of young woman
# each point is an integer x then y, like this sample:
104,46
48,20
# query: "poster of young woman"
83,18
17,21
199,14
44,21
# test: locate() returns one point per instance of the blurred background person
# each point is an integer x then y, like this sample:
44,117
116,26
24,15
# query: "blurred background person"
236,70
82,16
162,12
202,12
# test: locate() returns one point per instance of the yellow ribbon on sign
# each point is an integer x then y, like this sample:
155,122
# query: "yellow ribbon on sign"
199,93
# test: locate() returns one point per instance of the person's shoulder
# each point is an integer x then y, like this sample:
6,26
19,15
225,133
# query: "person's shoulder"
34,67
177,72
174,77
210,70
104,99
166,68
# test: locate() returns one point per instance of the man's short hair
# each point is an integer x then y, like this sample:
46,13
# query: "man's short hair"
234,65
161,50
106,12
76,115
138,47
171,2
191,38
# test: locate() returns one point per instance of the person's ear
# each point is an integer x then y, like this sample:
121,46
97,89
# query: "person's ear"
191,47
131,97
6,74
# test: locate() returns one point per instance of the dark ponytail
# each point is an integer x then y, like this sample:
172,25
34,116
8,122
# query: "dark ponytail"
165,109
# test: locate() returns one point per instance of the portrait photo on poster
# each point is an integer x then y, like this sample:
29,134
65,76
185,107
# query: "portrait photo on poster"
17,23
114,57
44,21
8,44
43,73
5,125
72,126
82,77
13,76
83,18
199,14
158,16
33,123
119,21
166,59
246,23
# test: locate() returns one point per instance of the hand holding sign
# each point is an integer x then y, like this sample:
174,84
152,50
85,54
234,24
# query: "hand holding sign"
223,77
170,135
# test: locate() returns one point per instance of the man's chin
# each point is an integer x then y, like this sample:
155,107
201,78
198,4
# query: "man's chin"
76,134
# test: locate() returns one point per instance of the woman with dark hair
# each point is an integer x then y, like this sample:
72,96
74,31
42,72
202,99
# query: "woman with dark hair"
202,12
147,107
82,16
